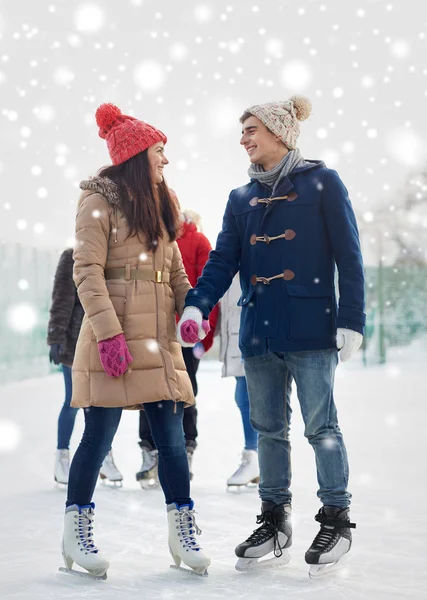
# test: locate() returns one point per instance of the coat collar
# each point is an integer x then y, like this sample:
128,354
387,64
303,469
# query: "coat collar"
104,186
188,229
286,184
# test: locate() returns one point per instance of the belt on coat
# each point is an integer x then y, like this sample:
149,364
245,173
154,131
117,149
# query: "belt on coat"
127,273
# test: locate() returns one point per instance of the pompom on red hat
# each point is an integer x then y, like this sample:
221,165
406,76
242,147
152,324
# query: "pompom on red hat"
125,135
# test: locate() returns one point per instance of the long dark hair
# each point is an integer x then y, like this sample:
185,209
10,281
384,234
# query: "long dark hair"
146,206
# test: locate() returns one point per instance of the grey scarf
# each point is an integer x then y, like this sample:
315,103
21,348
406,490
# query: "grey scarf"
272,178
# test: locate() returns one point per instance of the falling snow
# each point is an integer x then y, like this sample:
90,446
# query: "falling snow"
216,61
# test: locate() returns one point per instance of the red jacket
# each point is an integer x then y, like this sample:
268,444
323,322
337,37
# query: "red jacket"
195,248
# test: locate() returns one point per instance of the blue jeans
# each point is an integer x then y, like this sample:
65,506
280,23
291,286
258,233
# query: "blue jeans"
242,401
269,378
67,416
101,424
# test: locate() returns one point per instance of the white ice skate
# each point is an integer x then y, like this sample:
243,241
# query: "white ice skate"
267,546
182,542
62,466
247,473
190,452
78,545
327,553
109,471
147,476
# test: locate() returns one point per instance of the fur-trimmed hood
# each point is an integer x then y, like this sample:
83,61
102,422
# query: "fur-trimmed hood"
101,185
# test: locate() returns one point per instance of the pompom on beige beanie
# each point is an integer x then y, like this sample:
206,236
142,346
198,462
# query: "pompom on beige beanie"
283,117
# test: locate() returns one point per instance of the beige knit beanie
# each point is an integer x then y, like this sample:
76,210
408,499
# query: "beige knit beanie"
282,118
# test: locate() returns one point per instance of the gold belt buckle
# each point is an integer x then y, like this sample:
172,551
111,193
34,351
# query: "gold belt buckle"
158,275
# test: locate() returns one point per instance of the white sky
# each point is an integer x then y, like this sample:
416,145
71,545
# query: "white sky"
191,69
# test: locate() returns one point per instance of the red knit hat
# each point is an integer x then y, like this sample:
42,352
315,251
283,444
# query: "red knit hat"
125,135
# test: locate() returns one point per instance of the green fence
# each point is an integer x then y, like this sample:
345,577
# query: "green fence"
396,307
26,278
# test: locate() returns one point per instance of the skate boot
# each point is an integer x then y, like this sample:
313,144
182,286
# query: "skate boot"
147,475
273,536
331,543
190,452
78,545
183,545
110,472
247,473
62,466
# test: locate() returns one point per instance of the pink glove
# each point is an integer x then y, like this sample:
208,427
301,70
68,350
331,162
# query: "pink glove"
115,356
192,327
190,331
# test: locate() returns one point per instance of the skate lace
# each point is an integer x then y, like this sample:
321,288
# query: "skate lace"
241,467
188,528
85,527
109,462
268,529
329,531
325,538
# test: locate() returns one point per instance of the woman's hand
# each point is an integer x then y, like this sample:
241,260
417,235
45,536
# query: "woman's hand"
192,327
115,356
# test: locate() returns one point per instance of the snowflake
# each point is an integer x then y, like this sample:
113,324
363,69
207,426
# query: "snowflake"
22,317
296,75
10,435
152,346
149,75
203,13
89,18
63,76
23,284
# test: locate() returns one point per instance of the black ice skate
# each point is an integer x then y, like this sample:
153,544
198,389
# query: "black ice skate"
273,537
147,476
331,543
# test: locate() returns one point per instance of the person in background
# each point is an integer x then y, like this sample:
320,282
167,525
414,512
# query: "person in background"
231,357
194,247
66,315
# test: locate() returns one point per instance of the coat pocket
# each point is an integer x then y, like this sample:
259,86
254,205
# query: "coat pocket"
245,298
311,312
247,319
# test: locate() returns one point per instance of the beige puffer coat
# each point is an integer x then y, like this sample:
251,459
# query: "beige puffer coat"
141,308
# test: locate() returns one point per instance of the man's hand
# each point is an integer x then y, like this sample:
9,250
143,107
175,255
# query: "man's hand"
348,342
192,327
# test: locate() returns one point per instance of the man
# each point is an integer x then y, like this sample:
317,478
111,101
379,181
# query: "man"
285,231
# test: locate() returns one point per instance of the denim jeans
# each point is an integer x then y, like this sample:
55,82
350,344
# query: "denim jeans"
67,416
189,423
242,401
269,378
190,413
101,424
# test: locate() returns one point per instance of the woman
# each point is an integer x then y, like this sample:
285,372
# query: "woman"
66,314
230,356
194,247
130,281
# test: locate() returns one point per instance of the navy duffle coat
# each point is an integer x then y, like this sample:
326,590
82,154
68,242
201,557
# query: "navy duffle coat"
287,249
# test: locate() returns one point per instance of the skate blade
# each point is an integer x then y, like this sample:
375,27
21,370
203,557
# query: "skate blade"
149,484
256,564
85,575
319,571
189,571
111,483
243,488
